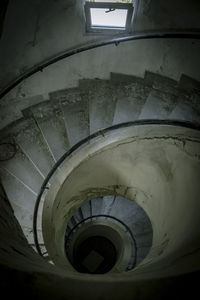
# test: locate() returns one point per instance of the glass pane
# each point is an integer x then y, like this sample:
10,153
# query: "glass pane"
104,17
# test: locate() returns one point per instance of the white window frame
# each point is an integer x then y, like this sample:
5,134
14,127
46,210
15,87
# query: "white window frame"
110,5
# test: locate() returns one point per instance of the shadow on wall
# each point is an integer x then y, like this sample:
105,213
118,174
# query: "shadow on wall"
3,9
23,273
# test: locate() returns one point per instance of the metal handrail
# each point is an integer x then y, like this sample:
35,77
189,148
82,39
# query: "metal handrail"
108,217
89,138
179,34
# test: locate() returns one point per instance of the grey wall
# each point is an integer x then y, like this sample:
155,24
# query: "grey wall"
24,274
149,165
158,15
35,31
14,250
166,57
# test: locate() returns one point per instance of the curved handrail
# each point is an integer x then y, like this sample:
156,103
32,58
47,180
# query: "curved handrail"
109,217
89,138
151,35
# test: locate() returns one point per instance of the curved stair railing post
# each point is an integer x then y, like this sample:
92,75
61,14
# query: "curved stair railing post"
85,141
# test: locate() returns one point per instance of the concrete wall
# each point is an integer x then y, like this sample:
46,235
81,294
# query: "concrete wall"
159,168
51,27
37,30
15,253
165,57
24,274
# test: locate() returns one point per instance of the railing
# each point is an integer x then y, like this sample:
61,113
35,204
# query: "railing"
91,137
116,41
133,259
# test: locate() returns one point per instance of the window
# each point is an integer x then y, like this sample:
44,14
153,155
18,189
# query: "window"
108,16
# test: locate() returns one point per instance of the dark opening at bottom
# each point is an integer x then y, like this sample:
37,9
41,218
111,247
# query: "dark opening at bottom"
95,255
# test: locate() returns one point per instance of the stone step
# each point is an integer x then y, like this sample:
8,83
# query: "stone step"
97,206
86,209
79,215
17,192
141,226
131,97
25,218
159,105
141,254
124,78
50,120
134,217
22,201
102,102
74,103
188,84
20,167
28,136
152,80
187,108
123,208
15,107
108,202
161,83
73,221
144,239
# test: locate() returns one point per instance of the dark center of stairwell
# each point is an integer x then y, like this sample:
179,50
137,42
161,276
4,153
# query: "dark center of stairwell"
95,255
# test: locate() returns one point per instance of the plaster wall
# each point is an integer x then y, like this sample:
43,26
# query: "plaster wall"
156,167
165,57
23,272
35,31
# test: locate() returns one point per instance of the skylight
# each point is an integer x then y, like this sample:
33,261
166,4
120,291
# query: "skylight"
104,17
108,16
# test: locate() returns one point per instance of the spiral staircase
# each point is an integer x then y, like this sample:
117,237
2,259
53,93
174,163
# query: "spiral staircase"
106,231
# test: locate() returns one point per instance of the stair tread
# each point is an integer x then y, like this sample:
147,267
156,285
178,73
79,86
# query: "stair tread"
158,105
184,113
78,216
22,168
17,193
86,209
131,98
102,101
22,201
74,105
161,83
187,108
97,206
28,136
108,202
51,123
27,227
25,217
119,77
188,84
15,107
